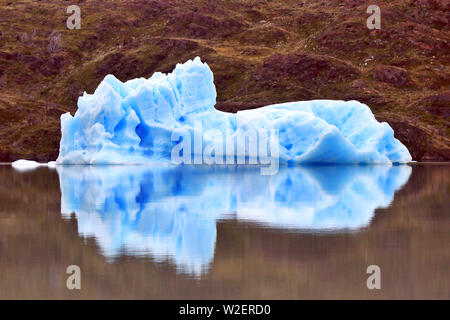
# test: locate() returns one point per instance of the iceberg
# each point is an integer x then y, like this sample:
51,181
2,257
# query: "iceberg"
135,122
170,213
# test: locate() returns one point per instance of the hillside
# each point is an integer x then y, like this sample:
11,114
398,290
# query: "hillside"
261,52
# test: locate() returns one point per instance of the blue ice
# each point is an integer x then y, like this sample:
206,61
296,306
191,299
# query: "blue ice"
134,121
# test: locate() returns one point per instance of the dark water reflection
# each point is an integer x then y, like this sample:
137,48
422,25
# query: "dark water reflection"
170,213
149,232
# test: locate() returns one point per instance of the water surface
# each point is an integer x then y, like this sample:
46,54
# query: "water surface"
225,232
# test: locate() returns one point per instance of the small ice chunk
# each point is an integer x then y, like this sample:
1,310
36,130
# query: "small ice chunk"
24,165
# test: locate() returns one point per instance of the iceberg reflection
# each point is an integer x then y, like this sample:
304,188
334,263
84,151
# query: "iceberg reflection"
170,213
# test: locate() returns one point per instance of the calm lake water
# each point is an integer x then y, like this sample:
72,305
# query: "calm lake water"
209,233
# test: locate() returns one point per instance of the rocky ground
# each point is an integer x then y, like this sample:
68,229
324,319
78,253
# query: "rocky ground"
261,52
